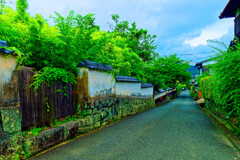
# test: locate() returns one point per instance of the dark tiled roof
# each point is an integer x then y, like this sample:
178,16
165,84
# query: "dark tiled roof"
3,43
146,85
94,65
211,59
161,90
230,9
126,79
5,51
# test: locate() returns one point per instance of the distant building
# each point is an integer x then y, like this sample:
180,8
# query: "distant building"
231,10
202,66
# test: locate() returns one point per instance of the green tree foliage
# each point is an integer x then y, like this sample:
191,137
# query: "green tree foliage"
138,40
180,87
55,51
2,4
170,70
22,6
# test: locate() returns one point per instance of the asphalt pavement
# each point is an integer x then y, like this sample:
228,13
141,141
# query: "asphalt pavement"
178,130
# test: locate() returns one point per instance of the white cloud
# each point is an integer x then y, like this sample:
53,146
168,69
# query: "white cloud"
214,31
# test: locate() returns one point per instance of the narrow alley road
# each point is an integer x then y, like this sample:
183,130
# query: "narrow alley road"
178,130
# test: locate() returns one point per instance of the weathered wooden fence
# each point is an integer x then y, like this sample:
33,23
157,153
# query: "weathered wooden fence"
40,108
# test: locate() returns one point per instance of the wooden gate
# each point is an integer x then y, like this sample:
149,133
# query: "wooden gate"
40,108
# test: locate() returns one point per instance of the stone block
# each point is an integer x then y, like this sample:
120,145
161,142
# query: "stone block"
120,113
90,120
11,146
95,111
106,119
97,125
50,138
70,130
124,112
104,114
30,146
110,115
11,119
82,122
105,123
85,129
45,140
96,118
86,112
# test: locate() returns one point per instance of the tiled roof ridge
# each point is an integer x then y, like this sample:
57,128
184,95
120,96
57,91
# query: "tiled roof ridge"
146,85
120,78
95,65
3,50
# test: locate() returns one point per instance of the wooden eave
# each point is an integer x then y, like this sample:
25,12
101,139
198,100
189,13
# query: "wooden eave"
230,9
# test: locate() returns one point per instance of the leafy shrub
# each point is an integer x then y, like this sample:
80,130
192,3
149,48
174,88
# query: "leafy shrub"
180,87
33,132
206,89
223,87
204,74
192,89
51,76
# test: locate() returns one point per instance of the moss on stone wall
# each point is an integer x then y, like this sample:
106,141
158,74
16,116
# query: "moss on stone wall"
11,146
95,114
11,119
1,125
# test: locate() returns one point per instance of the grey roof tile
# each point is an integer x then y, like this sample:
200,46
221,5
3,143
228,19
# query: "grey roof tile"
94,65
161,90
146,85
3,50
126,79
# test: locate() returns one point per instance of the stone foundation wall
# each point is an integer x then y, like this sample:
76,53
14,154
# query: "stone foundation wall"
10,110
10,138
96,114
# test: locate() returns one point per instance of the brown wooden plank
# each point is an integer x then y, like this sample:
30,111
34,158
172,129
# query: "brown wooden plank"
34,104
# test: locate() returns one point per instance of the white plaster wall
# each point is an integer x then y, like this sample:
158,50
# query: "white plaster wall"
163,94
128,89
8,79
7,66
156,96
100,83
147,92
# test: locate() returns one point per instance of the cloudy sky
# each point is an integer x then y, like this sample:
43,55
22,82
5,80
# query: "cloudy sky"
181,26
